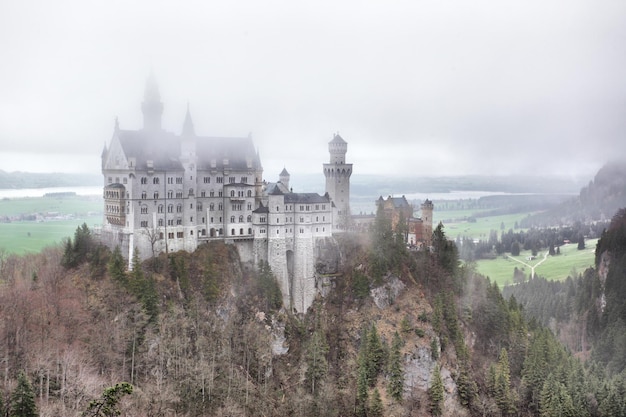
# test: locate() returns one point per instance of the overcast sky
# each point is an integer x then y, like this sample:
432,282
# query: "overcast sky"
414,87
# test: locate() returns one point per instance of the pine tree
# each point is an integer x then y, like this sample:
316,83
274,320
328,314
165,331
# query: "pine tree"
116,266
361,390
435,393
106,406
317,365
23,398
395,386
555,401
502,385
374,354
376,405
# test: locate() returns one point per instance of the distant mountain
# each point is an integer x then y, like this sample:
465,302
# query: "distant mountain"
598,201
17,180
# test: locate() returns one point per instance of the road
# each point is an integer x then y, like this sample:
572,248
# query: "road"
532,268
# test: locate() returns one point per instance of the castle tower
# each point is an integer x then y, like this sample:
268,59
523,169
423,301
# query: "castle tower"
152,108
427,219
284,177
337,174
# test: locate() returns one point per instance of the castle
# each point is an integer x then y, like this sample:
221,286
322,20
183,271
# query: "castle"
165,192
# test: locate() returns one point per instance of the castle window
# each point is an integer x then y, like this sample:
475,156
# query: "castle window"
179,221
241,231
155,180
240,193
232,193
191,232
179,235
231,180
219,207
249,206
199,206
161,235
323,206
249,193
117,180
249,230
301,219
212,193
232,232
160,222
262,231
191,191
219,180
190,205
301,208
170,180
323,218
179,180
144,195
249,218
211,207
170,235
317,219
144,180
221,231
301,230
202,193
317,207
144,223
179,208
179,194
219,193
317,229
144,209
262,219
277,208
110,180
170,194
170,222
211,219
203,220
191,219
277,231
307,208
156,195
203,232
232,219
170,208
207,180
240,219
244,180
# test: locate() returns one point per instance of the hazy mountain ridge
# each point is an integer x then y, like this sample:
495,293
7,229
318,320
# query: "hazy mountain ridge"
599,200
18,179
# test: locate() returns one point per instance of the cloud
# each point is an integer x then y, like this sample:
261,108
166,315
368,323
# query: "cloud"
430,88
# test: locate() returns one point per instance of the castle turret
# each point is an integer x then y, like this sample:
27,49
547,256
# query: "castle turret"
152,108
337,174
284,177
427,219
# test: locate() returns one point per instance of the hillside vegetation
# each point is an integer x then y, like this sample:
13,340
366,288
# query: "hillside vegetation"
396,333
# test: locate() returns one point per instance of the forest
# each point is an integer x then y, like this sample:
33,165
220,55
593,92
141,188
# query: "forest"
396,333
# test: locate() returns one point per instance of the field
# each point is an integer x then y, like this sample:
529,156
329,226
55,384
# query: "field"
557,267
30,224
477,230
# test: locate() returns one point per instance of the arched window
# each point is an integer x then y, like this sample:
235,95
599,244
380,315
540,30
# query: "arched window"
232,219
249,193
249,219
155,180
160,222
211,207
241,231
232,193
240,219
144,180
249,230
144,195
232,232
170,208
156,195
160,209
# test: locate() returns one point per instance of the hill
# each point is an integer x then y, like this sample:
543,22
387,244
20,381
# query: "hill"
13,180
598,201
395,333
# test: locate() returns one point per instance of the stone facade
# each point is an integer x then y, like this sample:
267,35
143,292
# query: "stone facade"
165,193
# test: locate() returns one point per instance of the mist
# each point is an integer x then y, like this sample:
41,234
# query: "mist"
415,88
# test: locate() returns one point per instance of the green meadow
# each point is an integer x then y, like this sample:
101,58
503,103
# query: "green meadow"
570,261
56,218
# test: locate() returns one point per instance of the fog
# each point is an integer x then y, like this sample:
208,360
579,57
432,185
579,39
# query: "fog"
414,87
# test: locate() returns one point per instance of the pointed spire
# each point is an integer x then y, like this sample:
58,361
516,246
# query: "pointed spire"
152,107
188,129
117,124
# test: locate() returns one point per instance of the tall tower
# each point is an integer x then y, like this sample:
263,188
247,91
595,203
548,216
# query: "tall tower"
284,177
152,108
337,174
427,219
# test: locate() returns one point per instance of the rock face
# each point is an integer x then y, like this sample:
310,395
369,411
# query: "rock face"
385,295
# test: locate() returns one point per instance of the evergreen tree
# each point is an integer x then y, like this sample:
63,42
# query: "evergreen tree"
117,266
23,398
502,385
376,405
435,393
555,400
317,366
269,286
374,354
361,390
106,406
395,386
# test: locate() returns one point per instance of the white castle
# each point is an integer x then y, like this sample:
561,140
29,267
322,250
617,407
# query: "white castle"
165,192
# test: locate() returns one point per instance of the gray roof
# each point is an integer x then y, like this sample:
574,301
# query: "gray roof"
307,198
163,148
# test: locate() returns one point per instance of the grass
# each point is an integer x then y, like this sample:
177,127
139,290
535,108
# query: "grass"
479,229
557,268
19,236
